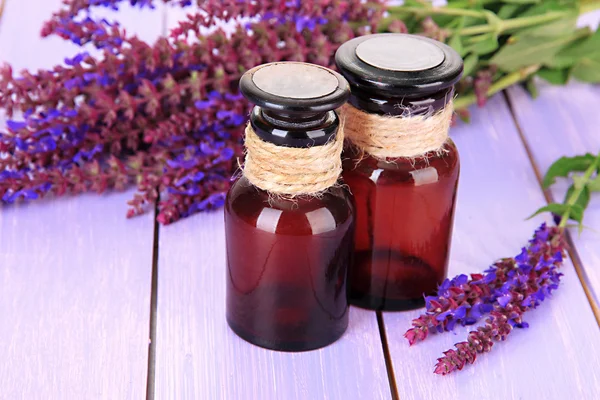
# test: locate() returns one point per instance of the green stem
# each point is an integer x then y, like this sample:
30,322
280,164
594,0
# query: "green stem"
513,23
501,84
574,197
503,26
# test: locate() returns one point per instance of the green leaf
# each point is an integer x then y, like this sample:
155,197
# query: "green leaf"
456,43
529,50
532,88
586,47
521,1
587,70
554,76
507,11
564,165
584,198
444,21
482,44
415,3
554,208
594,184
469,64
575,211
545,6
553,29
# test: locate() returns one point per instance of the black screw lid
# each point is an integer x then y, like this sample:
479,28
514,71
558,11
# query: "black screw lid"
396,64
295,102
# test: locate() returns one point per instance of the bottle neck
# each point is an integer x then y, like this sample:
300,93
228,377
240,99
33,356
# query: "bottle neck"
400,105
291,131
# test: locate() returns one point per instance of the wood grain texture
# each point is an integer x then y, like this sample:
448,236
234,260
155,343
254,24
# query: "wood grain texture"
199,357
565,121
554,358
75,299
74,272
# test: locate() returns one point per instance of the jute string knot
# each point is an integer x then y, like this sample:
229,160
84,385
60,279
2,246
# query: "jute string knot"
385,136
291,171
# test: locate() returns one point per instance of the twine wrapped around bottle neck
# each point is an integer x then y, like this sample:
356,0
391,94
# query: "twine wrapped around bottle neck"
290,171
385,136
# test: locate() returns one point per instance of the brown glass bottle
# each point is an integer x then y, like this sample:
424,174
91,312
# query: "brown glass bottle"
286,267
404,206
287,258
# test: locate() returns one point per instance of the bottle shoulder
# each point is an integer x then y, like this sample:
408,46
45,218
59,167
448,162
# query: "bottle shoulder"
303,215
432,167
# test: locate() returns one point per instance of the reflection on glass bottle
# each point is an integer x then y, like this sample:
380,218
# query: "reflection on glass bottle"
287,264
404,215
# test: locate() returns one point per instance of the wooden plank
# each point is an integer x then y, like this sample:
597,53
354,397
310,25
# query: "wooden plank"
564,121
75,273
75,299
551,359
198,356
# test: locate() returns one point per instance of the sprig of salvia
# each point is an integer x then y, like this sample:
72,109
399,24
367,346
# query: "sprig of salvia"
167,116
504,42
511,286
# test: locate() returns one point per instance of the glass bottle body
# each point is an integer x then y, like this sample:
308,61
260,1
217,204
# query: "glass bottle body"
287,266
404,219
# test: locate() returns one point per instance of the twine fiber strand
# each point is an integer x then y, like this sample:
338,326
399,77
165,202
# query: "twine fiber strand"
292,171
385,136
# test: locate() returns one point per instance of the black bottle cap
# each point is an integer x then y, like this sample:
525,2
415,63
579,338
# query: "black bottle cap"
295,102
396,64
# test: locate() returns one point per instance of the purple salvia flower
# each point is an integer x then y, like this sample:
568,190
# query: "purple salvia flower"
524,291
129,118
464,301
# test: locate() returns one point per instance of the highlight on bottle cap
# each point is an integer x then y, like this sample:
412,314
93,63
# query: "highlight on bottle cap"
402,53
399,64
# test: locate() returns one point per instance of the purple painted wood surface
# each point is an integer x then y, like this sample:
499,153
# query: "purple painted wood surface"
566,122
552,359
75,274
75,300
198,356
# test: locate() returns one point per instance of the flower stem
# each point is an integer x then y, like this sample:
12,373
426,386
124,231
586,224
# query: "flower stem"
503,83
500,27
574,197
513,23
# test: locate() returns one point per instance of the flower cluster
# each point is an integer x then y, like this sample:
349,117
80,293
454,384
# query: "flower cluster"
507,290
166,116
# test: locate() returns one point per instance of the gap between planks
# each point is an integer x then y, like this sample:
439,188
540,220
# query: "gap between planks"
571,249
388,359
151,375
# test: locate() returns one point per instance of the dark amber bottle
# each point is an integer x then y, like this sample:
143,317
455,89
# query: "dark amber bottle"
404,204
288,255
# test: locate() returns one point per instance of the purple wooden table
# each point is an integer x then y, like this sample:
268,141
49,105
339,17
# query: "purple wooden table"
97,306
